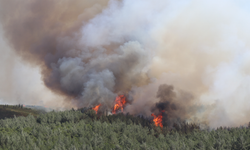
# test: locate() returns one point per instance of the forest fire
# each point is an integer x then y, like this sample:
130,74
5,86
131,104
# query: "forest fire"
96,108
120,102
158,119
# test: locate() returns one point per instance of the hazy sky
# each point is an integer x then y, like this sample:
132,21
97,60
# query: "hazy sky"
199,47
20,83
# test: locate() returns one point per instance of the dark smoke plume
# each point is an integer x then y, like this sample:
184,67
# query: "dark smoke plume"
175,106
90,51
47,33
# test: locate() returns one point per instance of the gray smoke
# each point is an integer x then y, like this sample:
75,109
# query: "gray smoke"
176,106
46,34
91,51
99,78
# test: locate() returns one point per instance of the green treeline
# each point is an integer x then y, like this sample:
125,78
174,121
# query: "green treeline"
9,111
75,130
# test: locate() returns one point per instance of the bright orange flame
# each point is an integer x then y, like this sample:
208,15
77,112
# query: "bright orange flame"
120,101
96,108
158,119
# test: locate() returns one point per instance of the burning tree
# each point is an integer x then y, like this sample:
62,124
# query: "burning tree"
96,108
120,102
158,119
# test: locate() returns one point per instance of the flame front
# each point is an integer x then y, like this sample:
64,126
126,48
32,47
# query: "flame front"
96,108
158,120
120,102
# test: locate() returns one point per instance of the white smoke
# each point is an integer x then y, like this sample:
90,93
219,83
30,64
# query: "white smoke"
199,47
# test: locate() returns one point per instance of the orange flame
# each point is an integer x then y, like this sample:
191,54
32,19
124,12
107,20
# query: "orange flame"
158,120
120,102
96,108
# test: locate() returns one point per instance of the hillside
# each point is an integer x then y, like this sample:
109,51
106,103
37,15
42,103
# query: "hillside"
9,111
77,130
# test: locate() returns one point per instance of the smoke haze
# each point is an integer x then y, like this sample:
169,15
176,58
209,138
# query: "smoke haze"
189,58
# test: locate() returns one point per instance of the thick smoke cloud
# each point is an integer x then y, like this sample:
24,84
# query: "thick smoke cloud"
91,51
20,83
173,105
44,36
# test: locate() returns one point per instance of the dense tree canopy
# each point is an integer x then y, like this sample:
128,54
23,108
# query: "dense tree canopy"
77,130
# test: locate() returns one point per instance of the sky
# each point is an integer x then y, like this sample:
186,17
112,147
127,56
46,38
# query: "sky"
200,47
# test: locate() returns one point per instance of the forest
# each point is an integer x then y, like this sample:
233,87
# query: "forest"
77,130
9,111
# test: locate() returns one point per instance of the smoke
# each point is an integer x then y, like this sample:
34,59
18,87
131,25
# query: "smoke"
173,104
189,58
44,36
19,83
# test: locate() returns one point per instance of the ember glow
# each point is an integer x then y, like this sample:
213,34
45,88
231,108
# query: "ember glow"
157,120
96,108
120,102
